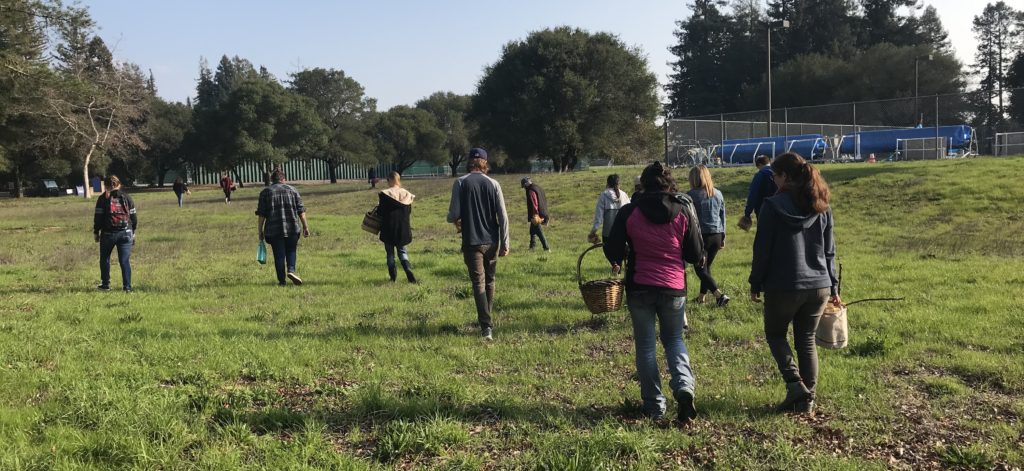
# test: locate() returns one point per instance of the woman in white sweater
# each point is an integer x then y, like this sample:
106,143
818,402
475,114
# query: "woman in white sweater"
608,205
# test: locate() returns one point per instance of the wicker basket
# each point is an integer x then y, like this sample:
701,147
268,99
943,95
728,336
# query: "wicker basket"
372,221
600,296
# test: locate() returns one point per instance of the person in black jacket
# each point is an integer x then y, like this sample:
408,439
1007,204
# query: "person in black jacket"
180,190
395,209
536,212
794,265
114,225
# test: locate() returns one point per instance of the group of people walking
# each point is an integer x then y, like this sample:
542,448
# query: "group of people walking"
793,266
652,235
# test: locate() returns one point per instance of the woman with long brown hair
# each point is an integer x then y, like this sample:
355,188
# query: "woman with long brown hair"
710,206
794,265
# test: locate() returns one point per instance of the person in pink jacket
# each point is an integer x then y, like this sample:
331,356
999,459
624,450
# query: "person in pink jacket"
654,235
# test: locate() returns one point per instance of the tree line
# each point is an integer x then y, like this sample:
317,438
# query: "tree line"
68,109
838,51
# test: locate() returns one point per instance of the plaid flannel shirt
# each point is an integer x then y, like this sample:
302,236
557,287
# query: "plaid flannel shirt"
281,205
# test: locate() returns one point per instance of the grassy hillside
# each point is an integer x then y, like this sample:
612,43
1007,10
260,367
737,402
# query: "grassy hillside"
210,365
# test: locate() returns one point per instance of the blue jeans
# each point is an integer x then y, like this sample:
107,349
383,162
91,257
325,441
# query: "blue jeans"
284,249
123,240
403,254
181,197
647,309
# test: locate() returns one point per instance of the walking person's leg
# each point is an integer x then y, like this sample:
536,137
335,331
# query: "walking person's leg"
124,254
642,312
540,235
181,197
779,309
490,269
533,236
403,256
291,247
106,248
392,267
805,327
712,244
277,246
671,312
474,258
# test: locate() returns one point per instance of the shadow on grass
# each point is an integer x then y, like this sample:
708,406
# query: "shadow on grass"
354,406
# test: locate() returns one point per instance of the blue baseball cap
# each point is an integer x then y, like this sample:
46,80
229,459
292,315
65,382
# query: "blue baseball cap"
477,153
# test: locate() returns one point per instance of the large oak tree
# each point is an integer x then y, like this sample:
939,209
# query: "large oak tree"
565,93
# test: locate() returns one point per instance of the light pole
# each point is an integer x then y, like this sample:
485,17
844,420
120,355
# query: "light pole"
917,107
774,24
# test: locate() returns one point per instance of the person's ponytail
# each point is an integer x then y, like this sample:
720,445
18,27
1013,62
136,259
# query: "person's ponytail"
810,191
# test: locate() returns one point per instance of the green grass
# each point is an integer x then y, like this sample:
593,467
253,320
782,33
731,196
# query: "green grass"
209,365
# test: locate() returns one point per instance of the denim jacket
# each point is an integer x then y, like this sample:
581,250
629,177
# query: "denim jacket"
710,211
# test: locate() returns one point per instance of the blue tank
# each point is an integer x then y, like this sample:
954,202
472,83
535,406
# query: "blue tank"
881,142
744,151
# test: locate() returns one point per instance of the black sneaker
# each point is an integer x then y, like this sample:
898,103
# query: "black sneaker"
486,333
295,278
722,300
806,406
128,290
685,410
103,288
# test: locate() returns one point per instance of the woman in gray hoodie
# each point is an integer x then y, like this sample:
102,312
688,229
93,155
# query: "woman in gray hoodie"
794,265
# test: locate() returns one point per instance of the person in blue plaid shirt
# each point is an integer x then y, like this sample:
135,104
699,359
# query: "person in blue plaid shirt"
280,210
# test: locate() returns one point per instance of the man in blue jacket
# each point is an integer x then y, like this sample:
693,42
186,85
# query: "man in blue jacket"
761,186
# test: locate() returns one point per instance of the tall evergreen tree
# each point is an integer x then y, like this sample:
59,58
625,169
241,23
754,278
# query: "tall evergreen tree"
816,26
997,30
695,86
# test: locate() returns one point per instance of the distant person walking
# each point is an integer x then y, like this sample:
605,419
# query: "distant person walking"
653,235
761,186
710,206
371,177
478,208
794,265
280,210
227,185
114,225
180,190
536,212
612,199
395,209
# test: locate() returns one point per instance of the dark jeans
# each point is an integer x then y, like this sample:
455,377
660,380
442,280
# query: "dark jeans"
482,260
537,232
403,254
284,249
803,309
181,197
227,194
123,240
712,244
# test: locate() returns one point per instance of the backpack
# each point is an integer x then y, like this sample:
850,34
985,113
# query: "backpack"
118,216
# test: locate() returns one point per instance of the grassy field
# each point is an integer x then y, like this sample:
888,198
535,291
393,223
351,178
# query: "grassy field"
210,365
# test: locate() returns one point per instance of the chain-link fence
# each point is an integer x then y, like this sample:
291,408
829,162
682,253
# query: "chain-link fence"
836,131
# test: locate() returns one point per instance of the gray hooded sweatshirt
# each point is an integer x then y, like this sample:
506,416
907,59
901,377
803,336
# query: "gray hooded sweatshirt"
792,250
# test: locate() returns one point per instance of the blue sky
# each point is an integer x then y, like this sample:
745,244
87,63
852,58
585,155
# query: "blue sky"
400,50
